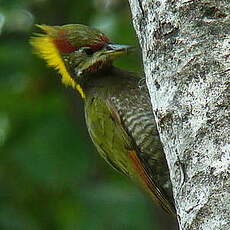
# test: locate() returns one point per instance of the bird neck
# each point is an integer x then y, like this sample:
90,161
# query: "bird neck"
89,79
107,81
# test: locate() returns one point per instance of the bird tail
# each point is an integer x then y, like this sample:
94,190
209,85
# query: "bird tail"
150,186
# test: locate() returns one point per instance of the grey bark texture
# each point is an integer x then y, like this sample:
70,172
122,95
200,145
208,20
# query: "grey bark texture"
186,57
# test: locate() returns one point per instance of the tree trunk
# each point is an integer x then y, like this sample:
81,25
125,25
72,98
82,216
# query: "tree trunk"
186,56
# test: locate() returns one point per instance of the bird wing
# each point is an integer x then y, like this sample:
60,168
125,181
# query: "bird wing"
107,133
143,177
117,147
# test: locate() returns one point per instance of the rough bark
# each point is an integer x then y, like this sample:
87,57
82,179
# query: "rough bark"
186,57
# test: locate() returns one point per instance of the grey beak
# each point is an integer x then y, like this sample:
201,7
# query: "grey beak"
118,47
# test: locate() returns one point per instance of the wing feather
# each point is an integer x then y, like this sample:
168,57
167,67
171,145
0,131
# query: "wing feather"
119,149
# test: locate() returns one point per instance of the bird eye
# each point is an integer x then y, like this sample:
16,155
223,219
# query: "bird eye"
88,51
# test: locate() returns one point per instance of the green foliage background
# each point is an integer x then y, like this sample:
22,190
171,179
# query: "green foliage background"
51,177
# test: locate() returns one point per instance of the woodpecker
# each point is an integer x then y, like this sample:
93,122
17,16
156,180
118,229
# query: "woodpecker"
118,111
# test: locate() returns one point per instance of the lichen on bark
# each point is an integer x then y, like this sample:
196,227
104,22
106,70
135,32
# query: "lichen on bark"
186,56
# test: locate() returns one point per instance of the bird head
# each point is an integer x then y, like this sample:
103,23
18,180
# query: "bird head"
75,50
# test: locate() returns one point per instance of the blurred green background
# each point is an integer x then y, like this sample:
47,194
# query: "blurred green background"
51,177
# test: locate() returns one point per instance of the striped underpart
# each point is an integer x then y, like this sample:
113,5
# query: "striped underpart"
139,123
138,119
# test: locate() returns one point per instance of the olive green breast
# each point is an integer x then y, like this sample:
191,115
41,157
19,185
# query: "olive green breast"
119,118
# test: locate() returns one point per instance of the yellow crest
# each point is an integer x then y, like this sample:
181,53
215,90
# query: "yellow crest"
45,48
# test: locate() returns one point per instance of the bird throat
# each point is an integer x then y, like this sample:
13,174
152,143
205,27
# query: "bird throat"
46,49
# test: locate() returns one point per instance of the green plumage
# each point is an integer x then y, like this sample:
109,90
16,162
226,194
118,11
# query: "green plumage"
118,111
119,119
